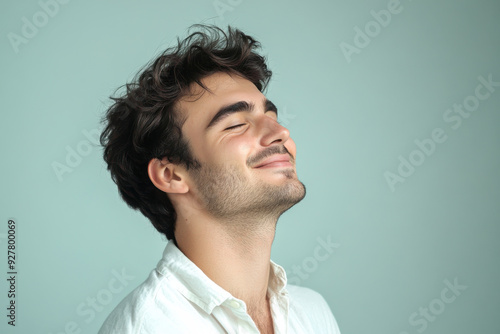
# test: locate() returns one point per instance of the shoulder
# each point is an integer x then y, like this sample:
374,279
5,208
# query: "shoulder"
151,302
310,306
306,298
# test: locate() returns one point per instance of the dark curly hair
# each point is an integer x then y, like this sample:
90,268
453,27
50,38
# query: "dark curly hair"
142,124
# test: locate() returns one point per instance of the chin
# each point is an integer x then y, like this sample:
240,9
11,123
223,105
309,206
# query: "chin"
294,193
294,198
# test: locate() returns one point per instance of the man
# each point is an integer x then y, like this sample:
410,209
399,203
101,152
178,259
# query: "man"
196,146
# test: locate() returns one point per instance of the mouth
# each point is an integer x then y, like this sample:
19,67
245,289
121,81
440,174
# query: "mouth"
277,160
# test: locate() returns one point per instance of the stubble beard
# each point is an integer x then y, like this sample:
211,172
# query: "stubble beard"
228,196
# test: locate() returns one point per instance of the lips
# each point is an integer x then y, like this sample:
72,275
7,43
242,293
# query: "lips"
277,160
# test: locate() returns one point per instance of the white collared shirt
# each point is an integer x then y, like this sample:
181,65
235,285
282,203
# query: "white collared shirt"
178,297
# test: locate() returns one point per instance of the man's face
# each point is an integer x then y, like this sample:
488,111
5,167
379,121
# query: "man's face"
247,158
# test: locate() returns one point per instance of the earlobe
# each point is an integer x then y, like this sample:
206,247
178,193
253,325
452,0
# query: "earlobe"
166,176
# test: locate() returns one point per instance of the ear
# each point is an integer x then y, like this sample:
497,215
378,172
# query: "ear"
167,177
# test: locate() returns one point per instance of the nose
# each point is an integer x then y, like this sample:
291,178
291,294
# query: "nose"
272,132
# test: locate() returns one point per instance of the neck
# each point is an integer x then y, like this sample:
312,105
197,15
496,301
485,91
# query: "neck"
235,255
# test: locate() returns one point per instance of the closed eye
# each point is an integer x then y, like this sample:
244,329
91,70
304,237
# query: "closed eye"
234,127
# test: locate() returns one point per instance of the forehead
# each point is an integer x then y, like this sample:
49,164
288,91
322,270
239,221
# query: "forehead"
200,105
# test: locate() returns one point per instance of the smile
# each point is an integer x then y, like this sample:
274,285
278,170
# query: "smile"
279,160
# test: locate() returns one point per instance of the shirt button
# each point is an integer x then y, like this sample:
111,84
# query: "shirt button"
234,304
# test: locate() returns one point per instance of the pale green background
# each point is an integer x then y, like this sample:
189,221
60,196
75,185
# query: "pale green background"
351,122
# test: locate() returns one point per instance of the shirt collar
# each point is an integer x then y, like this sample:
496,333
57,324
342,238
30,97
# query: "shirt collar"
197,287
277,278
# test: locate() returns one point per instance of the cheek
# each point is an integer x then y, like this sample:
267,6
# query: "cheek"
236,151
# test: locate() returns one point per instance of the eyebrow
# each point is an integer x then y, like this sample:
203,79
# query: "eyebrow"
240,106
